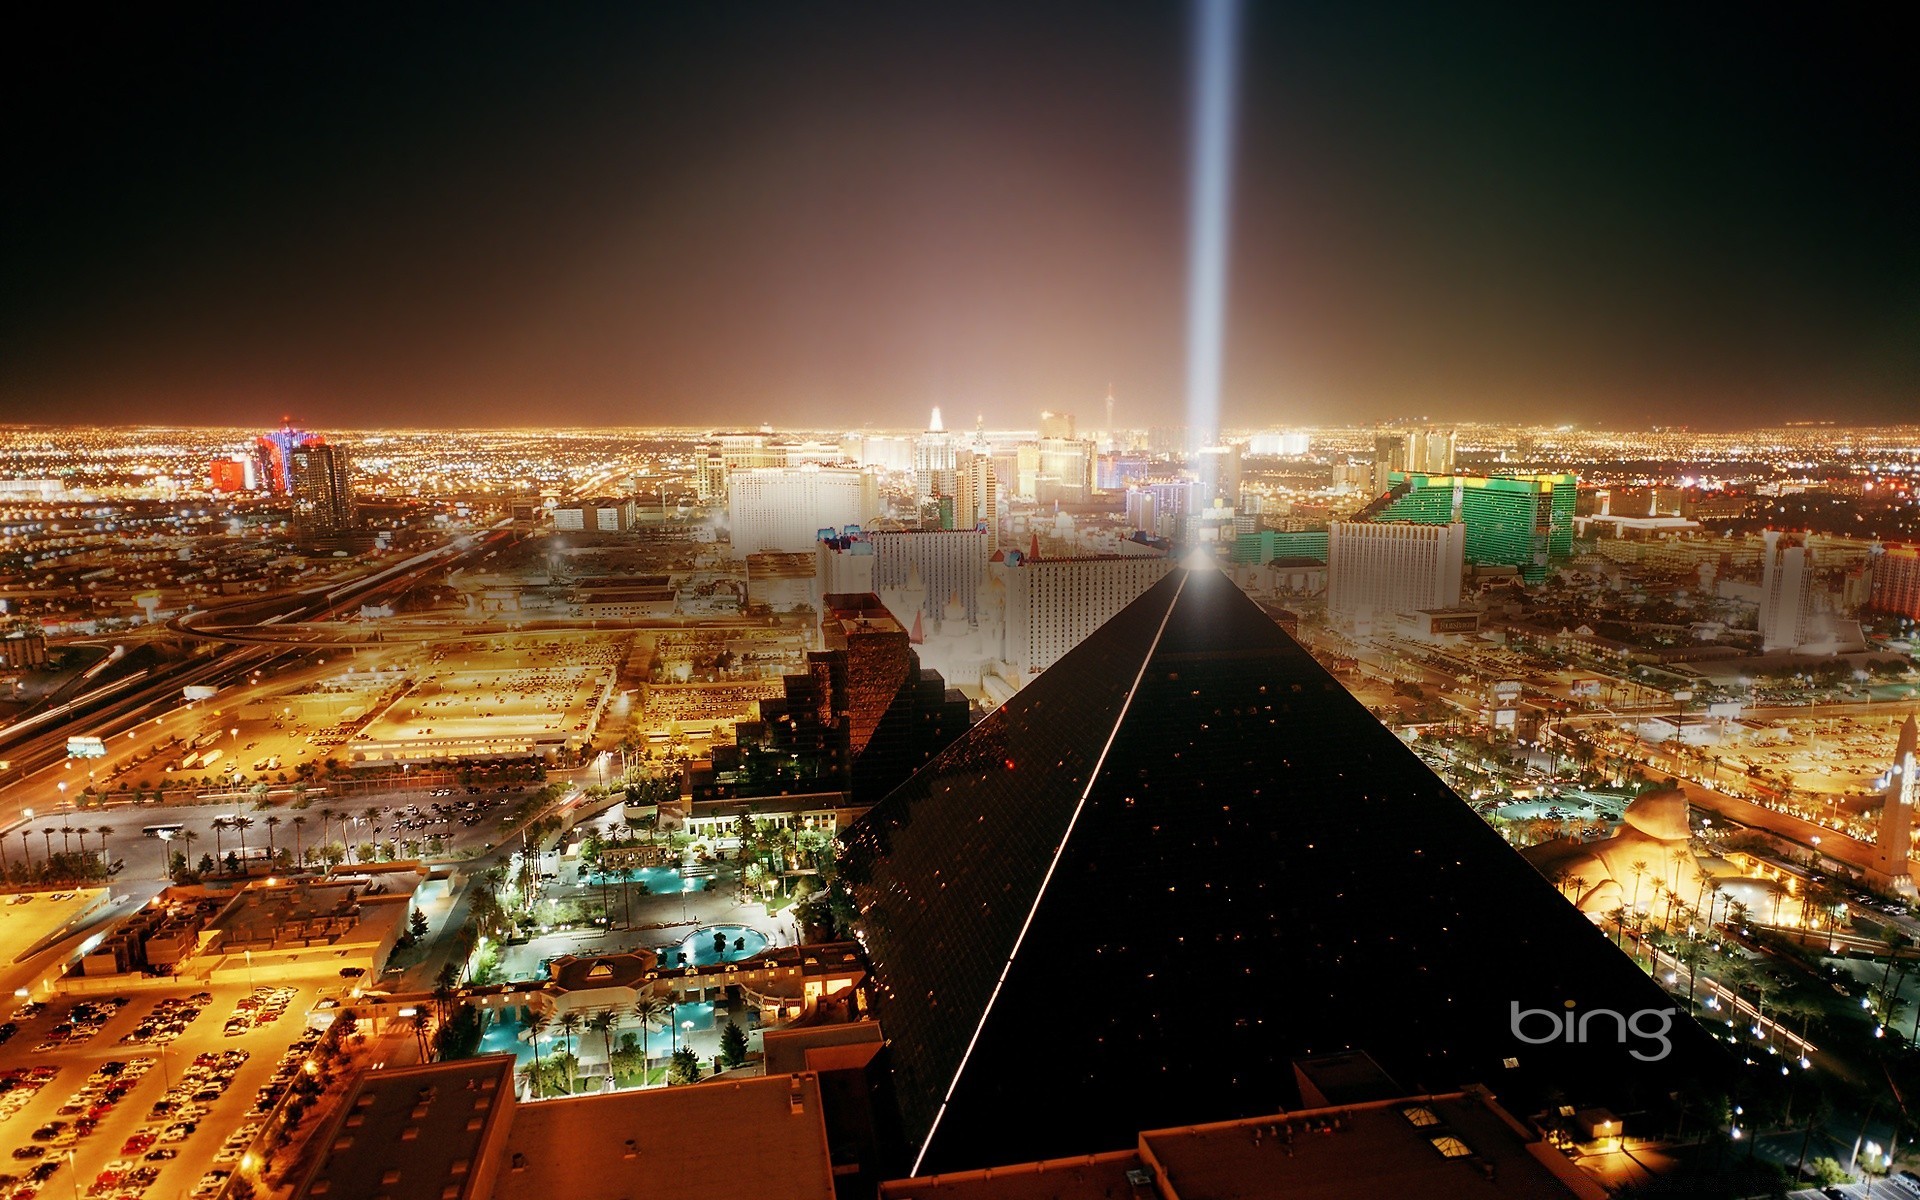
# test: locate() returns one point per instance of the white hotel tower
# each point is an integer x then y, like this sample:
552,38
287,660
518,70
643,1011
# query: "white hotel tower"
785,508
1376,571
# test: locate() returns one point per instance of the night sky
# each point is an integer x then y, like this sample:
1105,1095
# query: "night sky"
823,214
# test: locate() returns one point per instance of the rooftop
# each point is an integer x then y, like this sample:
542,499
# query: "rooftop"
1435,1147
414,1133
754,1139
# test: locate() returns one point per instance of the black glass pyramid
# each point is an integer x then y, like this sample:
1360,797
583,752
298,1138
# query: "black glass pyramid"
1184,858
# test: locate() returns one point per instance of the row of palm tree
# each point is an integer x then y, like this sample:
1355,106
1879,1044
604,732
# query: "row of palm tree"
66,832
649,1010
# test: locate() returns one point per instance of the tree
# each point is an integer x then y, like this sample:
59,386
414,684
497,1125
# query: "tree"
733,1045
604,1023
685,1067
204,866
445,981
538,1025
570,1023
299,854
460,1037
651,1010
272,823
417,924
422,1020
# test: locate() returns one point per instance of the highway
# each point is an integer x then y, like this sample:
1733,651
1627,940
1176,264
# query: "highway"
40,742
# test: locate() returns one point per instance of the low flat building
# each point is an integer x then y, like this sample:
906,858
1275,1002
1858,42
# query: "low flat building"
733,1139
453,1131
1460,1144
434,1132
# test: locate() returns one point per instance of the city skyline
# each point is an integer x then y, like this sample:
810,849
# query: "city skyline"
764,216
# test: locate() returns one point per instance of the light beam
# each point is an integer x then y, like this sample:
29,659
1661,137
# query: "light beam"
1210,204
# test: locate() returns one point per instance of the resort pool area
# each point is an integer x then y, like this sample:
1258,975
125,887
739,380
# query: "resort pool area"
712,944
660,881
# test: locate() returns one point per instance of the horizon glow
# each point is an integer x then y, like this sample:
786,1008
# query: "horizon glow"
1210,205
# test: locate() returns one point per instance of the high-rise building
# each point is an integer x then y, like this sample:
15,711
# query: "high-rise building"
1065,471
1053,604
1056,425
1219,471
935,460
929,568
1188,818
786,508
862,717
1786,592
322,490
721,454
1896,581
842,564
1893,852
235,474
1376,572
273,457
1525,522
977,496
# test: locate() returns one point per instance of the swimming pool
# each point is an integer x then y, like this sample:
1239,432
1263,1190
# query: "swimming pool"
712,944
660,881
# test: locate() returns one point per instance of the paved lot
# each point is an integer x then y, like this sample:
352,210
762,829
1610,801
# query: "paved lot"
75,1062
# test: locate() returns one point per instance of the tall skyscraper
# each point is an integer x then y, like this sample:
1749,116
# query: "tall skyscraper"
1188,808
322,489
935,460
977,496
785,508
1219,471
1786,592
1056,425
949,565
1065,471
1896,581
273,457
1376,572
1053,604
1523,521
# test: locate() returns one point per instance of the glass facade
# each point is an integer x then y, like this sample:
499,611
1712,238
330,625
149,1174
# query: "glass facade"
1260,872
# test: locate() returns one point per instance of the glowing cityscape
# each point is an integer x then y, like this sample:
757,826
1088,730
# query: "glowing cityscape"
988,604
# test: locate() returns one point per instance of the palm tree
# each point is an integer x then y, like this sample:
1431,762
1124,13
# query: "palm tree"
106,861
536,1027
421,1020
66,838
604,1022
326,815
271,822
219,827
372,813
649,1009
569,1023
241,825
299,855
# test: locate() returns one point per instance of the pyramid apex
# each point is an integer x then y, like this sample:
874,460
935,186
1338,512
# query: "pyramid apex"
1199,559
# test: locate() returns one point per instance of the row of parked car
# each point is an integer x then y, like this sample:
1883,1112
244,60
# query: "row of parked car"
265,1006
168,1020
20,1085
79,1117
286,1071
81,1022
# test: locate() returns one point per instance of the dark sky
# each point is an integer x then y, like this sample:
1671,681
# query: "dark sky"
813,213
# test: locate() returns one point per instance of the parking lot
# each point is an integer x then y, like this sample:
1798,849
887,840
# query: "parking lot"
141,1096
